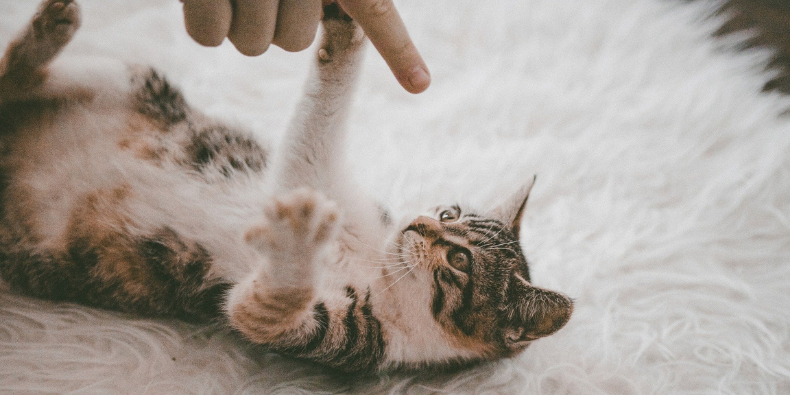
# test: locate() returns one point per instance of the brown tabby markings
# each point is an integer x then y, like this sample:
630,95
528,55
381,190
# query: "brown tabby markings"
142,145
274,310
487,306
158,100
352,341
219,150
106,259
103,264
111,255
161,274
165,128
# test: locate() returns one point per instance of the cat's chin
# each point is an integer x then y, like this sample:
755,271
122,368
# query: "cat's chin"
407,256
411,246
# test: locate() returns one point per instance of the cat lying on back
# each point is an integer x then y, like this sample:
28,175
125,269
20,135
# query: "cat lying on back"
115,193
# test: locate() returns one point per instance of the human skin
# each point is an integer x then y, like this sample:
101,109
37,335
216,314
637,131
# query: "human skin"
253,25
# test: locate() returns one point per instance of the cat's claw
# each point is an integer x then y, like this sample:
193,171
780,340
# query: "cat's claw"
297,223
57,20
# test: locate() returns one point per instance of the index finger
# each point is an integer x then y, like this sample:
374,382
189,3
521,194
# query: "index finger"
383,25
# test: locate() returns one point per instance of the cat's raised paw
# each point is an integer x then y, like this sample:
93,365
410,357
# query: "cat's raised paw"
57,20
299,222
341,35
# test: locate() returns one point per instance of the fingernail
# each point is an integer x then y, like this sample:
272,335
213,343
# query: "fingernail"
419,79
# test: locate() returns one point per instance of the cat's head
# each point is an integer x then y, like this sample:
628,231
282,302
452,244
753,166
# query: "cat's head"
481,293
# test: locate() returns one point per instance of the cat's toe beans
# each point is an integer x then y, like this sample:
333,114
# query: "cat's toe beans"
273,211
293,210
259,237
304,207
68,13
305,214
58,19
56,7
327,222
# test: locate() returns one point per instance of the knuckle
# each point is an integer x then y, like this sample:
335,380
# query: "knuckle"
379,8
407,47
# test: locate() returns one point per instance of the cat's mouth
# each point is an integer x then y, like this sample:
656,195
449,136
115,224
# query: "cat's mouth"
408,241
413,247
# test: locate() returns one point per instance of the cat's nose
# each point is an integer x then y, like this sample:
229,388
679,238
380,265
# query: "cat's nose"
426,227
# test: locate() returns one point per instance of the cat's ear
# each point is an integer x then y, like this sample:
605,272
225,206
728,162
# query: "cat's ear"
512,209
532,313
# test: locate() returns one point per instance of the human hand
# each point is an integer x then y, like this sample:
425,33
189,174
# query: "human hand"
252,25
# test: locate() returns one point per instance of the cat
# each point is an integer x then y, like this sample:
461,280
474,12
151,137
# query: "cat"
115,193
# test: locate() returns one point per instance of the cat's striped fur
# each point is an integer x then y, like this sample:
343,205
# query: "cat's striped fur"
115,193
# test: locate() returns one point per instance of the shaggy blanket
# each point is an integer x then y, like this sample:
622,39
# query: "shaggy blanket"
662,204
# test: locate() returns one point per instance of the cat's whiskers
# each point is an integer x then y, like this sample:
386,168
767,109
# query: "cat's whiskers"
411,269
385,265
383,251
395,263
492,236
390,260
392,273
395,257
498,246
403,263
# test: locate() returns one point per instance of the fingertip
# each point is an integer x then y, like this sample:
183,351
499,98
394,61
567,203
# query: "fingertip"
249,48
208,23
292,46
415,80
252,28
297,24
206,40
387,32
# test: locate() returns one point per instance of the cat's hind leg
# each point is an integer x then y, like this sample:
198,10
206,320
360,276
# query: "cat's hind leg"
24,64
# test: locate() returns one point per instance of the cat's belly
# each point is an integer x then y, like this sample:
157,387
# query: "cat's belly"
95,192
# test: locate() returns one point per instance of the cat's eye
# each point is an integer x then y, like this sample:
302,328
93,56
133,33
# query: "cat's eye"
459,259
449,215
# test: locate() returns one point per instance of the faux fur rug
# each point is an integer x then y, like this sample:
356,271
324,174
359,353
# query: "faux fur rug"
662,204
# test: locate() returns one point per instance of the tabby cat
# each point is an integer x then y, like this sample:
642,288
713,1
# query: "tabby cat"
115,193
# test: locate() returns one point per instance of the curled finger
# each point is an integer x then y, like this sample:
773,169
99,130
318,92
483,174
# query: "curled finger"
208,21
252,28
297,22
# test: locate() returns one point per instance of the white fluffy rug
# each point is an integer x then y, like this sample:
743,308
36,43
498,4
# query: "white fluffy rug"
662,204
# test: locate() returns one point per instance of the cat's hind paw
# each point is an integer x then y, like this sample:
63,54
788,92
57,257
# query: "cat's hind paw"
57,21
297,225
51,28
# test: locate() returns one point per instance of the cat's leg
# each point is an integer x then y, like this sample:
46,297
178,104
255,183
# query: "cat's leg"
277,300
298,227
282,306
312,152
24,64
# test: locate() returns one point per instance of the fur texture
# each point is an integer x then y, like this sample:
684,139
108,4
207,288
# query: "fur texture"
661,208
103,202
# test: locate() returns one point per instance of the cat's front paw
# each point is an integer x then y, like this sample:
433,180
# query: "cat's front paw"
297,225
341,35
57,20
